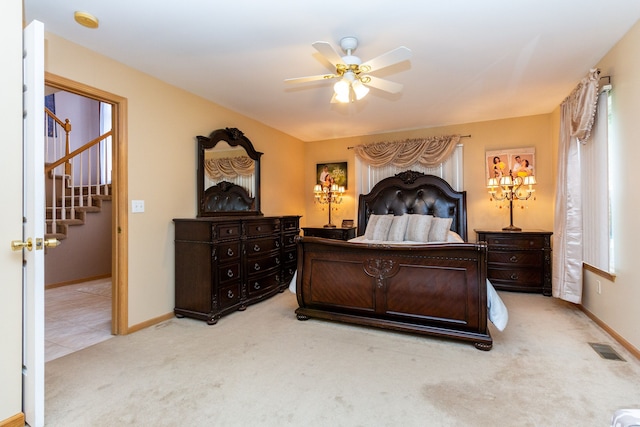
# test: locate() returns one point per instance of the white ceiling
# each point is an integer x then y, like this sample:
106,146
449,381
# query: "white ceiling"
472,60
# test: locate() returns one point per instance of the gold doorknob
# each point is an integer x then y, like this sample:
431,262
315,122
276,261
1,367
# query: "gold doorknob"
51,243
17,245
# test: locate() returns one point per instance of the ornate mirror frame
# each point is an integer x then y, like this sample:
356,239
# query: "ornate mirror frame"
235,138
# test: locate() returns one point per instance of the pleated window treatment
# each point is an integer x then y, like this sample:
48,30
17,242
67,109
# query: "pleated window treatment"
428,152
237,170
576,120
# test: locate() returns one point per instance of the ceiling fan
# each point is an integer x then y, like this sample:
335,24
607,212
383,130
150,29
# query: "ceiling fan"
352,73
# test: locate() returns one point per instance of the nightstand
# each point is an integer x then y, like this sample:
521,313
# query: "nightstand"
336,233
519,260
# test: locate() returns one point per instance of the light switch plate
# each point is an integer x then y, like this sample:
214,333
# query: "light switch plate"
137,206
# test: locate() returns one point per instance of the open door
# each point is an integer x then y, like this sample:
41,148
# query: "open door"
32,243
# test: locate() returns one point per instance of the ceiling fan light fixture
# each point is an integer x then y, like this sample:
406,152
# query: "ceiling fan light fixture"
359,89
342,90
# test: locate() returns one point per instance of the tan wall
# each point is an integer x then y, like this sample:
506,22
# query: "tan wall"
11,223
533,131
163,122
617,304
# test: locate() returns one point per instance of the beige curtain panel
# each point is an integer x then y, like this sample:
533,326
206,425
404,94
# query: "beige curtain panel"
577,115
229,167
429,152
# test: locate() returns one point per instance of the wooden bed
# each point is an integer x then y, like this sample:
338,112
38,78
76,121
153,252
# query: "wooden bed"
437,289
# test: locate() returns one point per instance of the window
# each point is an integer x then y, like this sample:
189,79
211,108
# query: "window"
596,204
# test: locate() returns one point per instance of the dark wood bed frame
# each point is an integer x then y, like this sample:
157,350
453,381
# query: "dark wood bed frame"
432,289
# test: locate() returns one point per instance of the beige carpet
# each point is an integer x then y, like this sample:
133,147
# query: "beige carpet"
262,367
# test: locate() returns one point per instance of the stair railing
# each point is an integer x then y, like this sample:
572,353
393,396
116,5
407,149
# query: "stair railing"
80,182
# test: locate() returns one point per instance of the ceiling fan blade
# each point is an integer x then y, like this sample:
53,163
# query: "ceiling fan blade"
310,78
385,85
328,52
392,57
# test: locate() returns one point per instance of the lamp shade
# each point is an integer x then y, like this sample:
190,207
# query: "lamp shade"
359,89
342,88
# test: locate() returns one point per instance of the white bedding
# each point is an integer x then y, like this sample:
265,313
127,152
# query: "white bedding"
496,310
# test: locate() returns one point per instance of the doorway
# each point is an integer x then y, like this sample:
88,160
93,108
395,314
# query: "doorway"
119,236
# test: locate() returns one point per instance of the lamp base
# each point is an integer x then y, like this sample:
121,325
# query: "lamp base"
329,226
512,228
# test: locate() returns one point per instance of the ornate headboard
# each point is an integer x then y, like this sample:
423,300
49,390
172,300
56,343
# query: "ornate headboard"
227,197
413,192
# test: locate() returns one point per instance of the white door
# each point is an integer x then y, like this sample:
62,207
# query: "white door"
33,227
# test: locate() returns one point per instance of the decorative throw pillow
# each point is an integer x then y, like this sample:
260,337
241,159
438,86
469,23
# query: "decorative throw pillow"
439,229
453,237
381,230
398,228
418,228
371,225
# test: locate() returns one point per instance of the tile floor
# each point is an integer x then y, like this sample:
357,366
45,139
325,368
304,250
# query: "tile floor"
76,316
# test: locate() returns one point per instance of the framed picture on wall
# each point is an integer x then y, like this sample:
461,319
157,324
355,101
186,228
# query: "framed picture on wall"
332,173
519,162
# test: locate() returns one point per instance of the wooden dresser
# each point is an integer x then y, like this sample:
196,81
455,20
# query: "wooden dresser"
223,264
519,260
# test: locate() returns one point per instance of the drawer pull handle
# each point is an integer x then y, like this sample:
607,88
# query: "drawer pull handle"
277,278
513,258
290,256
277,243
256,248
230,252
514,276
256,286
230,231
230,294
230,273
259,228
256,266
277,261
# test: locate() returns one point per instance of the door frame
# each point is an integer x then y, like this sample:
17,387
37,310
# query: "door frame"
119,186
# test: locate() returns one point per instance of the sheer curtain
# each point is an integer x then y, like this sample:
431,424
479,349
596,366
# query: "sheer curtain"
576,119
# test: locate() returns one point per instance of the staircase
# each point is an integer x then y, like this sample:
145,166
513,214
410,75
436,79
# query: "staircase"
73,188
73,207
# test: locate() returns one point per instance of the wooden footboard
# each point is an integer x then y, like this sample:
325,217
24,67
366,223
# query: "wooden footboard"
434,289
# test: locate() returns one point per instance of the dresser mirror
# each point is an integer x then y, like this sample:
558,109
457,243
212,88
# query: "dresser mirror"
228,174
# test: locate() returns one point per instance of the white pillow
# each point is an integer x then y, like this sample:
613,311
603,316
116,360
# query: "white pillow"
371,225
439,229
453,237
381,230
418,228
398,228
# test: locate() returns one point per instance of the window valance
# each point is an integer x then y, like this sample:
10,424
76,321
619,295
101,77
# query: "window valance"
429,152
229,167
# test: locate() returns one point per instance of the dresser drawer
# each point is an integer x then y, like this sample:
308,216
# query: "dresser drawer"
519,258
261,284
262,228
260,265
228,296
227,231
290,239
290,224
291,255
228,251
259,247
228,272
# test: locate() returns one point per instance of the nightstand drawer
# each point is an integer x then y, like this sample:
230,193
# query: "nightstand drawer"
515,242
519,258
336,233
515,276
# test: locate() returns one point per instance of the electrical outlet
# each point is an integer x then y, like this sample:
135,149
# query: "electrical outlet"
137,206
599,285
